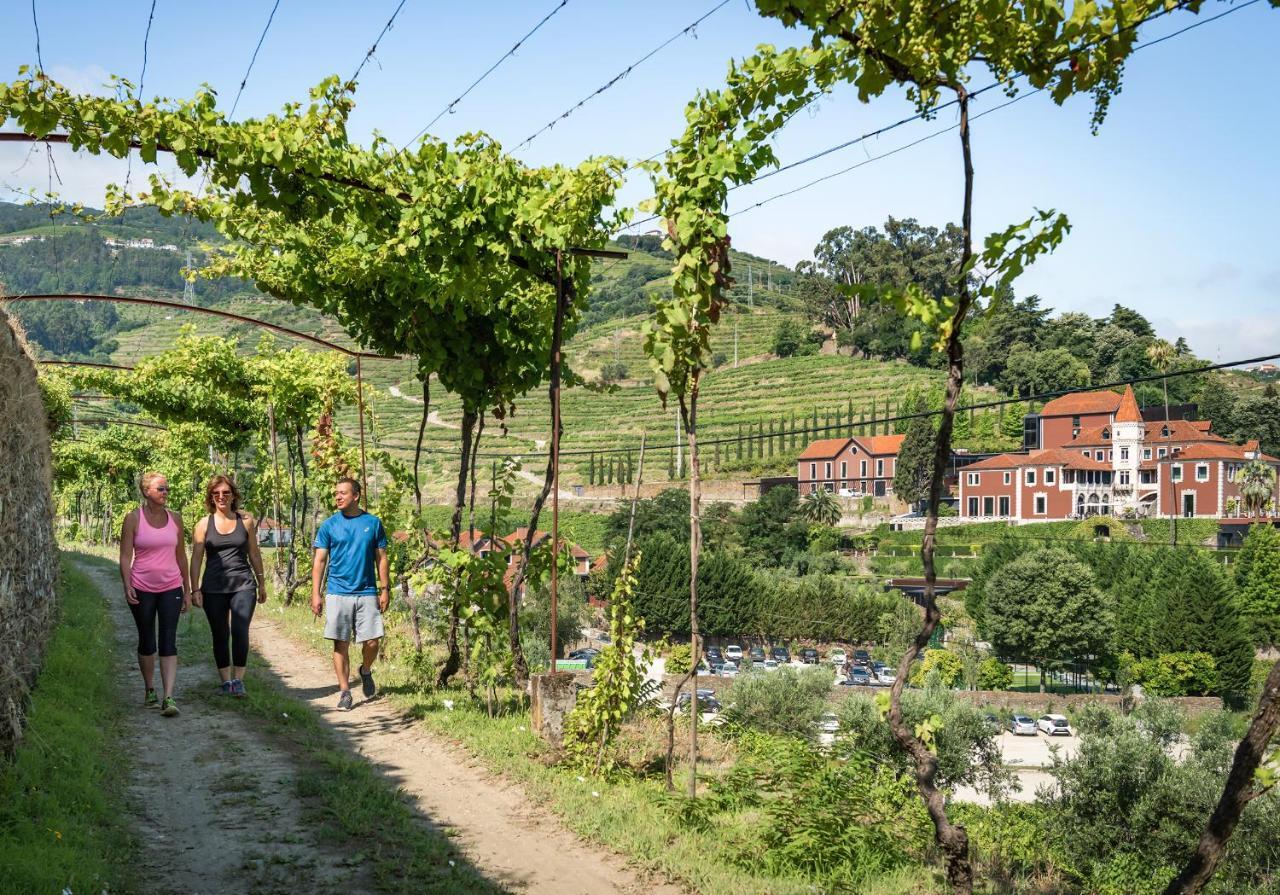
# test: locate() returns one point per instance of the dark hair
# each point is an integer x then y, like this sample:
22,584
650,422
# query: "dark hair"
215,482
348,480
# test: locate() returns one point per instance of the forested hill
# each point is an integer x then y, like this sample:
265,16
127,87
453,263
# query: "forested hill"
144,253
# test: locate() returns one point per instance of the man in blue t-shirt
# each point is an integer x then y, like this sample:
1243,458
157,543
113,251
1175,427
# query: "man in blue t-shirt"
353,544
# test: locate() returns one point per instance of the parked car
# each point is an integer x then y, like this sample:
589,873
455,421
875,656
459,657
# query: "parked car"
714,656
756,654
728,669
829,723
1022,726
877,668
850,492
769,665
885,677
707,701
733,653
1054,725
837,657
781,655
809,656
587,652
858,677
862,657
992,722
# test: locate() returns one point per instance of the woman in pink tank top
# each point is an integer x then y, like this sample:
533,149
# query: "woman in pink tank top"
157,586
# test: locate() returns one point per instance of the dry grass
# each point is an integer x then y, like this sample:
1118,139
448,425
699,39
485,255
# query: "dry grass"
28,555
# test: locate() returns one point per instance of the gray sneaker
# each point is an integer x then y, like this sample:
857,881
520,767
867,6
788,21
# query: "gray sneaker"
366,682
344,701
237,688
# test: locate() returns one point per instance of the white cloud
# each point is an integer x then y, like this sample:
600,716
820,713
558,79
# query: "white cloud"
1226,339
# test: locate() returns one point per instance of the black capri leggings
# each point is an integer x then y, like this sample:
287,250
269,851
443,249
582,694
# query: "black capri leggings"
230,614
164,608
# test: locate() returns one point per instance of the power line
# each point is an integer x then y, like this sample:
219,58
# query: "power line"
687,29
374,48
448,109
905,417
929,113
253,59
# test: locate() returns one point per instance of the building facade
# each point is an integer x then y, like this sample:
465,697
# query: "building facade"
862,465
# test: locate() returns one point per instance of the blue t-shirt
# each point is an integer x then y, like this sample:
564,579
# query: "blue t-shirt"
352,542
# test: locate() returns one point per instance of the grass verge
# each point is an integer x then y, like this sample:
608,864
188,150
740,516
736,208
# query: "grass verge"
347,803
61,794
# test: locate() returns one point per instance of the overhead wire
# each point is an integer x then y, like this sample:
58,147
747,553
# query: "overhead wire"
374,47
687,29
448,109
252,60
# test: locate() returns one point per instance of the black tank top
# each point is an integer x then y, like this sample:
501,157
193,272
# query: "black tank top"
227,559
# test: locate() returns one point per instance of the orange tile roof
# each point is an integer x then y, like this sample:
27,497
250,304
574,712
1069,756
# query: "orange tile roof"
1179,430
518,536
1128,411
1215,452
1051,457
881,444
1077,403
823,448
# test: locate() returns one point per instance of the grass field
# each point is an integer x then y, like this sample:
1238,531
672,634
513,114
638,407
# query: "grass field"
61,796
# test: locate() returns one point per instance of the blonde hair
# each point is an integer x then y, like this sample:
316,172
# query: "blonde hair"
146,480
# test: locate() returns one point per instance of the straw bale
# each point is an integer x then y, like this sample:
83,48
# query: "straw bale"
28,554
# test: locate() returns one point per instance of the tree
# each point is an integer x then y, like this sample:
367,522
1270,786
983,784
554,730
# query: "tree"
1257,572
1258,416
821,507
1216,403
790,339
1162,355
1045,608
915,457
1127,318
1257,487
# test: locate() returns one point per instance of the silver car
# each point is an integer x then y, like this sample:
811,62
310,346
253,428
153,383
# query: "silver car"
1022,726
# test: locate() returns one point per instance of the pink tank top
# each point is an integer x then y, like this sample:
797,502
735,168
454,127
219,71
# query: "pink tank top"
155,562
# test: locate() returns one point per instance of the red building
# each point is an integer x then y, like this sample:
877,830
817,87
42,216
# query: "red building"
852,467
1112,463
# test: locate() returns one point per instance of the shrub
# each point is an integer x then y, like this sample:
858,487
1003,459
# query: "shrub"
613,372
948,665
787,701
791,340
678,660
1176,674
994,675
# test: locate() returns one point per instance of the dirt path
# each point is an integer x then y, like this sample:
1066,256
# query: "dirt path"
513,841
213,796
215,803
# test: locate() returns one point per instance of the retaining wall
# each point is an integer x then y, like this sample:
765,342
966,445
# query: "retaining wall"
28,554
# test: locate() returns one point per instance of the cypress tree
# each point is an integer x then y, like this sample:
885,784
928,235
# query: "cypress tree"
739,441
671,464
717,456
849,416
793,429
770,442
591,468
839,429
760,444
1257,573
751,443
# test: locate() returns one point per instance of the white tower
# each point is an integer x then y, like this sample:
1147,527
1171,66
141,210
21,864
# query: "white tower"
1127,431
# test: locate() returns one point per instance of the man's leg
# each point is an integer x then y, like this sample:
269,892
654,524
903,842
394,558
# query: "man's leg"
342,663
369,652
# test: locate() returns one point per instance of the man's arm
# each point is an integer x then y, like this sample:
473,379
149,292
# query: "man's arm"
318,562
384,580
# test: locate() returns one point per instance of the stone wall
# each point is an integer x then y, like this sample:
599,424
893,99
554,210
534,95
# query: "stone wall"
28,554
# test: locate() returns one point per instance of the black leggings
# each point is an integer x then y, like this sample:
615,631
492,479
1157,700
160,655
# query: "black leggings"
229,615
165,607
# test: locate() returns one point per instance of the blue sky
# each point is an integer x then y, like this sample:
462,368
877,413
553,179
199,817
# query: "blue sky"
1172,202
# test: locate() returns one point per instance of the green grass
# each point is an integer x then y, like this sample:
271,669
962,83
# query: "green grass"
61,796
624,814
347,804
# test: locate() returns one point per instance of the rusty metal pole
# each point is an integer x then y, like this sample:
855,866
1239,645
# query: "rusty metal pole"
555,450
364,480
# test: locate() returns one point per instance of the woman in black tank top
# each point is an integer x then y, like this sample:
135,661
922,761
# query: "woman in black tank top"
233,581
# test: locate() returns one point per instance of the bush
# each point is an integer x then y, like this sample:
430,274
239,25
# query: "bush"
613,372
679,659
948,665
994,675
792,340
787,701
1176,674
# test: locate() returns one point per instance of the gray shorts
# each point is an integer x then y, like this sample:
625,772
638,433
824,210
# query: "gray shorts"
350,617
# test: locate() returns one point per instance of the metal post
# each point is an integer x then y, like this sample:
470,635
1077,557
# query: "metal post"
555,452
364,481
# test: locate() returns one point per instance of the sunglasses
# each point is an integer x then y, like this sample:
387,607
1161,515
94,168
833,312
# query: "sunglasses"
221,493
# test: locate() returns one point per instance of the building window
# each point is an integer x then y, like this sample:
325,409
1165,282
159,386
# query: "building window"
813,470
1124,453
1106,434
1031,477
844,469
844,486
828,487
1231,472
1160,452
973,506
879,468
1088,455
1050,476
1124,476
1008,478
1040,505
988,506
826,470
863,471
1164,431
813,487
1175,472
1109,454
1075,422
974,478
1202,472
1147,477
1004,506
1146,453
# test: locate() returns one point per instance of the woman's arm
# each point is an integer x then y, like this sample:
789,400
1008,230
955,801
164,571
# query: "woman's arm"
255,556
126,554
197,559
181,553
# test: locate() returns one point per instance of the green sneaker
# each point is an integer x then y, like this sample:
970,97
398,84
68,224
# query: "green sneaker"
150,700
170,707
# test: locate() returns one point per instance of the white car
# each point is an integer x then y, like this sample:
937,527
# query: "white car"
728,669
770,665
886,678
837,657
1053,725
733,653
829,723
849,492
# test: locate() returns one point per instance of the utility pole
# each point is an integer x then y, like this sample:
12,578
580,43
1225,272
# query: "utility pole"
735,336
679,450
750,300
189,286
